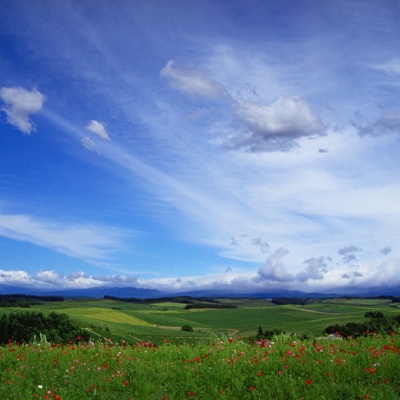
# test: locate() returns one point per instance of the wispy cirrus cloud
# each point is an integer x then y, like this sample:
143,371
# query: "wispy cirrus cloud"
192,82
88,242
389,67
19,104
89,144
386,124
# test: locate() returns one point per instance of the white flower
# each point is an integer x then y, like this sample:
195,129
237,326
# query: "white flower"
40,386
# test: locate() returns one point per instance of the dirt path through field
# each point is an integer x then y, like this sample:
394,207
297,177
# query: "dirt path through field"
94,333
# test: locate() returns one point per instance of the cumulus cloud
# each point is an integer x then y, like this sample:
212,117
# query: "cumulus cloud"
15,277
192,82
98,129
19,104
275,126
273,276
50,279
274,270
348,253
315,269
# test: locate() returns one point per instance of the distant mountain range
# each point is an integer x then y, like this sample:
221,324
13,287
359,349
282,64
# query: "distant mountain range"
99,292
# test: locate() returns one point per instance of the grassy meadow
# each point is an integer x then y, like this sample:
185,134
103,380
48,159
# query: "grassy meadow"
139,351
224,368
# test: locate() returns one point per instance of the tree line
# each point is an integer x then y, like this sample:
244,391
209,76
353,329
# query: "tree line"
173,299
25,300
24,327
378,323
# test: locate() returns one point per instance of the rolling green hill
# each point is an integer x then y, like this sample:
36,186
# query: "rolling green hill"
156,321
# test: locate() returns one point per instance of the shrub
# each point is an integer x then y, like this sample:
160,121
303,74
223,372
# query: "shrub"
187,328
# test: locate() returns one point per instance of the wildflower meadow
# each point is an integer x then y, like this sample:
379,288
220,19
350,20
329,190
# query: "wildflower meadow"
227,368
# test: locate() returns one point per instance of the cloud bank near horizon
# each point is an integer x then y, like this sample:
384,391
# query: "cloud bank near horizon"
319,275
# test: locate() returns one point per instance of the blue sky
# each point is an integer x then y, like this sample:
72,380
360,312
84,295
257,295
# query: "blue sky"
246,145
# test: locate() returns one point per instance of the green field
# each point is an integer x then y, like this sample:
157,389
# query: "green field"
163,320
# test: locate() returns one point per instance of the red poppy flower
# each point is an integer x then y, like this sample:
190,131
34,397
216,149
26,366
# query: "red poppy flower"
308,382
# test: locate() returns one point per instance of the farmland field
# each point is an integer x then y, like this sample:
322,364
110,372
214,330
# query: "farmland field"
159,320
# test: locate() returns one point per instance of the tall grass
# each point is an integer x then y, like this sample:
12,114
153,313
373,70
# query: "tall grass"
284,368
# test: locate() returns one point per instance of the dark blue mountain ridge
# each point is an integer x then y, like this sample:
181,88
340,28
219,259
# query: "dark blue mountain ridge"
142,293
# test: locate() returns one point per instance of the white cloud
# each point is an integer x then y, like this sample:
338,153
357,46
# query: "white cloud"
317,276
19,104
50,279
192,82
83,241
98,129
277,125
274,270
316,267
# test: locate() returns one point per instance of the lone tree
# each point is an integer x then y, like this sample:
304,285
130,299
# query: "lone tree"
260,332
